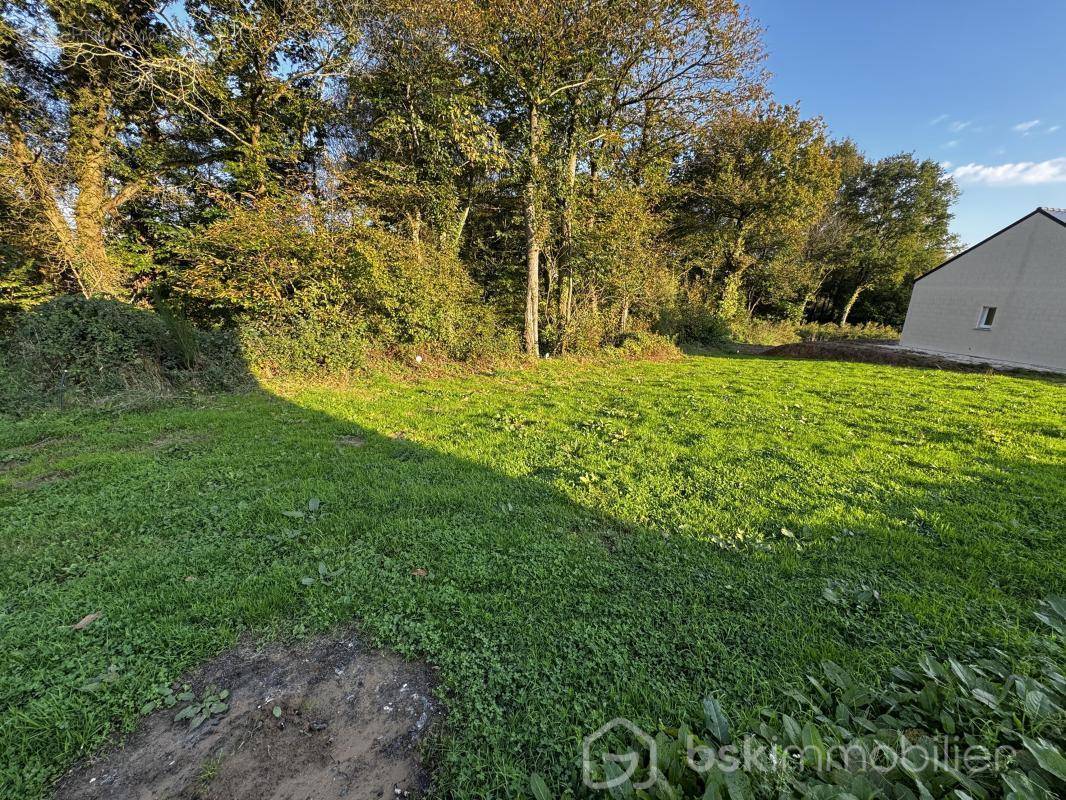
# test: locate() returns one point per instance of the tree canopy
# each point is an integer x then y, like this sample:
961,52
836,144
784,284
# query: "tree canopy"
580,168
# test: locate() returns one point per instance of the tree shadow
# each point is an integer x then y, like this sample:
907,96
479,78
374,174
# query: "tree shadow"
546,611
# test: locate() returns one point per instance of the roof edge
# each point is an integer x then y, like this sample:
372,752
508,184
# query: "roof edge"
1039,211
1049,212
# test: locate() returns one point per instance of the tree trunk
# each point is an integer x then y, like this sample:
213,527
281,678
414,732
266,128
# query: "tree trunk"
566,231
414,225
811,297
95,272
737,262
460,225
568,298
63,250
533,243
598,156
851,302
255,138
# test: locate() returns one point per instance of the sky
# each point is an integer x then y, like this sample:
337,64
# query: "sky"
978,85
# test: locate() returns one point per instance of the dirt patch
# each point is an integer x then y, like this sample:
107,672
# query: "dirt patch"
176,439
874,353
40,481
45,443
9,463
330,719
17,456
351,441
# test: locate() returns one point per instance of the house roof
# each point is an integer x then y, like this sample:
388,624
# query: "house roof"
1056,214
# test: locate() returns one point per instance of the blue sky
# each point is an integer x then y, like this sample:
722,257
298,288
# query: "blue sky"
978,84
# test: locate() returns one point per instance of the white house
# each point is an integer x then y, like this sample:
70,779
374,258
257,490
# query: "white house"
1003,300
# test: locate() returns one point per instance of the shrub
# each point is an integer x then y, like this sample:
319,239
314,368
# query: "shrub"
749,330
416,294
303,345
831,332
693,318
182,336
643,344
771,332
95,348
97,344
311,293
584,334
842,739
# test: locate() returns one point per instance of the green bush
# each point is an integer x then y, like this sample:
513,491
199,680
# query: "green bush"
310,295
584,334
304,345
693,318
181,335
73,347
998,731
775,332
97,344
752,330
416,295
643,344
831,332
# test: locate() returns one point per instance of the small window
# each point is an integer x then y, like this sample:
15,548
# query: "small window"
988,316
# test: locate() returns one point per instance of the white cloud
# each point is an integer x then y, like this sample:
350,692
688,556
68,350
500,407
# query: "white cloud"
1025,127
1054,128
952,143
1023,173
957,126
938,120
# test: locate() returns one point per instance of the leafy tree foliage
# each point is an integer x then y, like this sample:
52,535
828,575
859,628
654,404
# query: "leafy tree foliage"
898,211
750,195
576,170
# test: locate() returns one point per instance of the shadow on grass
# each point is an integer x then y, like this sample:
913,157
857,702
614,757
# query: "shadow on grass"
186,526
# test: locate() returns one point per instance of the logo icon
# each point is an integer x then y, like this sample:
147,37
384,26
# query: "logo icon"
619,768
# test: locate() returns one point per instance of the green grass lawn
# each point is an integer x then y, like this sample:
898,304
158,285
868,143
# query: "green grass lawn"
599,540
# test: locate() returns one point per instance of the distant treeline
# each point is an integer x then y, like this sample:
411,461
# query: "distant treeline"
550,175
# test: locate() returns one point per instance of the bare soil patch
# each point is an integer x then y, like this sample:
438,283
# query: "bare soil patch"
18,456
879,353
172,441
40,481
45,443
9,463
331,719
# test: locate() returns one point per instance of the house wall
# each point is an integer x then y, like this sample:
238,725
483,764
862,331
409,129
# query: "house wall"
1022,272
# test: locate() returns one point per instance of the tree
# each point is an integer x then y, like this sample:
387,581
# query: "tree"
899,209
748,196
829,239
574,74
588,165
82,135
677,66
263,76
421,147
537,53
